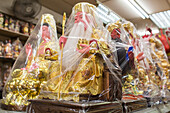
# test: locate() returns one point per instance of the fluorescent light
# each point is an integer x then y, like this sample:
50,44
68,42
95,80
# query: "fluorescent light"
153,19
161,19
166,18
137,8
133,7
103,8
106,14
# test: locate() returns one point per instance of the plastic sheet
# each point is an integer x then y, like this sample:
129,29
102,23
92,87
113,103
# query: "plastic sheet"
89,69
139,79
34,64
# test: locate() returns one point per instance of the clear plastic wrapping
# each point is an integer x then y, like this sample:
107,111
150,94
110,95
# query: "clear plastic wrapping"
33,65
88,67
140,75
16,48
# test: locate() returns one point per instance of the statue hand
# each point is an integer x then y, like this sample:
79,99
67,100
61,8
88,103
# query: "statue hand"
85,49
29,49
62,40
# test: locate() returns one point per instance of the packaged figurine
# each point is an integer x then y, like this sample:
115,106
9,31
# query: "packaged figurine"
89,70
17,26
36,63
8,49
88,75
11,24
16,48
26,29
1,49
1,20
6,24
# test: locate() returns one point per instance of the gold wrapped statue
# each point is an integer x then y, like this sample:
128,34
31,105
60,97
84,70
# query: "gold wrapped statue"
85,55
37,63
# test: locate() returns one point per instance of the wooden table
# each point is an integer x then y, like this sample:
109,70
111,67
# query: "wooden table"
54,106
134,105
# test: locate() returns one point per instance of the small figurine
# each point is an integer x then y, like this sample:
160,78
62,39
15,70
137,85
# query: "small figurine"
25,29
17,46
1,20
11,24
6,23
8,49
1,49
31,28
17,26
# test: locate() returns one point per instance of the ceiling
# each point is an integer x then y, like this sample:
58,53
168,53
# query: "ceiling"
150,6
61,6
118,6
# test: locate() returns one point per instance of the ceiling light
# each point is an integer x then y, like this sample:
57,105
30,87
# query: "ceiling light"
154,20
106,14
161,19
103,8
137,8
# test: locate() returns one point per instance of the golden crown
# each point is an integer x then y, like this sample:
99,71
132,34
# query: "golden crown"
84,7
114,26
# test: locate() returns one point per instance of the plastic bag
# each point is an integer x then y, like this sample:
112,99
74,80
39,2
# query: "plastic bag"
137,65
90,71
33,65
16,47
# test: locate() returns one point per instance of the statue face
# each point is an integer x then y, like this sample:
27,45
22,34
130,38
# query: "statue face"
45,33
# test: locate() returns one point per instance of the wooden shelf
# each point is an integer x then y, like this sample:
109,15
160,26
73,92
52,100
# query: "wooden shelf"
13,34
4,59
22,36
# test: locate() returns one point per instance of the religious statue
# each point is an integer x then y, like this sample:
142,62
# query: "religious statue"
85,56
38,63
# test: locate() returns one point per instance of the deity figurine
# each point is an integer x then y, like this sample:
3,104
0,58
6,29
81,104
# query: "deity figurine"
6,23
17,26
11,24
34,66
17,46
26,29
84,54
8,49
1,20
